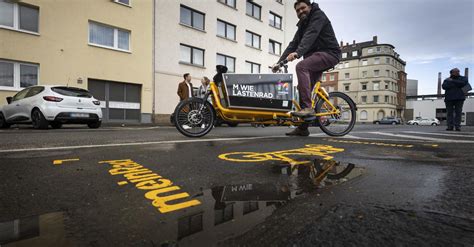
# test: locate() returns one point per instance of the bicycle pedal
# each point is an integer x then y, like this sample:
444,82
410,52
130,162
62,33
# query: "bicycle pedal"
309,119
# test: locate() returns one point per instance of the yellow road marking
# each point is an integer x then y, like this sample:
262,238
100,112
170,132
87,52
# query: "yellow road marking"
152,183
60,162
284,155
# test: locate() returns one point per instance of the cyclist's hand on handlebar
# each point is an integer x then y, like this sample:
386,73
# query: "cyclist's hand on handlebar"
275,68
292,56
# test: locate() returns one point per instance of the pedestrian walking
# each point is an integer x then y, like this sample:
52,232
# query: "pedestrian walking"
454,97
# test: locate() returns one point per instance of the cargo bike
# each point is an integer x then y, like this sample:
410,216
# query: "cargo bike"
265,99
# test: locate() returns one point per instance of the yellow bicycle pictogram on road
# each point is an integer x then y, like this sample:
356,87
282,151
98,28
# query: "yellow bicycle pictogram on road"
284,155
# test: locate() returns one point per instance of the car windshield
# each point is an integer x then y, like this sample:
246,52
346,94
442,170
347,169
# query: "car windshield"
72,91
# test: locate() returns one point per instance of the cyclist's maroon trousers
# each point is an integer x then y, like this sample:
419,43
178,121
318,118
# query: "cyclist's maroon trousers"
309,71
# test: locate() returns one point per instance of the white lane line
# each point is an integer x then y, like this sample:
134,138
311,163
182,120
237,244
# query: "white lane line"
137,144
377,139
422,138
439,134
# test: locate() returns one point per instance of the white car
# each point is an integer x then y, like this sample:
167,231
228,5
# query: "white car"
424,121
51,105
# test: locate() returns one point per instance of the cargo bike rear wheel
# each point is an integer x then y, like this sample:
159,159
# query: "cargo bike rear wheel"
194,117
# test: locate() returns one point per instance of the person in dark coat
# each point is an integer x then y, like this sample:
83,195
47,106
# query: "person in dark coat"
185,88
316,41
454,98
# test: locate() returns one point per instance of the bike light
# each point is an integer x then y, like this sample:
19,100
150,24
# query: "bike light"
96,102
52,98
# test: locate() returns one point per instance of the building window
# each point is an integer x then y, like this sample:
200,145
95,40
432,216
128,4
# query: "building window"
376,72
252,39
17,75
225,30
364,74
376,98
354,53
250,207
191,55
227,61
370,50
107,36
376,60
19,16
191,17
230,3
189,225
376,85
253,68
125,2
386,98
323,77
274,47
346,65
363,114
347,76
387,60
386,85
346,87
253,10
331,77
388,72
364,86
379,49
224,215
363,99
275,20
364,62
344,55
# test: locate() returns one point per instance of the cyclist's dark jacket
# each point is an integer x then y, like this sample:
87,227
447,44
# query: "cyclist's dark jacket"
314,34
453,88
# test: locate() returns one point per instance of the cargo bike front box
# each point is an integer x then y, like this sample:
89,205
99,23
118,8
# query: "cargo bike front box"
268,92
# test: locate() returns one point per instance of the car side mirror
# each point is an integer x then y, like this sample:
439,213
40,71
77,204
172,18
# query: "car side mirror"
9,99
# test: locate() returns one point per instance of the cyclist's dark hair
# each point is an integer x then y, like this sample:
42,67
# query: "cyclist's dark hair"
307,2
185,75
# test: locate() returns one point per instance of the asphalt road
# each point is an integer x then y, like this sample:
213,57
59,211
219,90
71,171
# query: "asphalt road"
151,186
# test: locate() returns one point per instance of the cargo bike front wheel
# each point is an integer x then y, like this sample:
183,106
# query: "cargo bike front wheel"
194,117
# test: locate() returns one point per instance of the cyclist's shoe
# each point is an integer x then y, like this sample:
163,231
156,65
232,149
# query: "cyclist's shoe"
298,132
304,112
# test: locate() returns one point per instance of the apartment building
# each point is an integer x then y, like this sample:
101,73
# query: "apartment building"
329,81
195,36
102,45
373,75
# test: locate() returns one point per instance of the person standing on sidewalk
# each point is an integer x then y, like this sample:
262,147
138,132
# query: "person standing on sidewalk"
316,41
454,98
185,88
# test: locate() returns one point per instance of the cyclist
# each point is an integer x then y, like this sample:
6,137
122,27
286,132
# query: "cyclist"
316,42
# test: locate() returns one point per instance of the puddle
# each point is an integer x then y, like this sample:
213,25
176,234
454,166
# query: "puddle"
225,212
41,230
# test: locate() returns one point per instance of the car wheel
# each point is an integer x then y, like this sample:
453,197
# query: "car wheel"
39,122
415,123
94,125
377,123
393,123
3,122
56,125
434,124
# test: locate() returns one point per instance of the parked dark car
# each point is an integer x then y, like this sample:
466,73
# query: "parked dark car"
388,120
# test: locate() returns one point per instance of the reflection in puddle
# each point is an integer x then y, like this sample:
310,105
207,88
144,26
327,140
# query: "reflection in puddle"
226,211
40,230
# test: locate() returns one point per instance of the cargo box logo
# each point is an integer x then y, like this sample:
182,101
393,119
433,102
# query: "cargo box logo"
249,91
282,87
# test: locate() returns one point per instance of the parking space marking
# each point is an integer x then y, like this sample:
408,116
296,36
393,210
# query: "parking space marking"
284,155
152,183
443,140
60,162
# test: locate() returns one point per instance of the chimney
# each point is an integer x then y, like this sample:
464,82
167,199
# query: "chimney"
439,83
466,72
353,42
374,39
347,43
342,43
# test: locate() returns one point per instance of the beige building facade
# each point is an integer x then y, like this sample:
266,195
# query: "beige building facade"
373,76
195,36
105,46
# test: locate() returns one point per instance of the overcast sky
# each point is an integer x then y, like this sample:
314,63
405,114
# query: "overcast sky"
430,35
